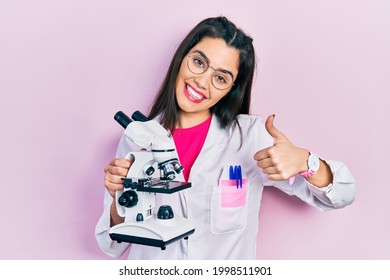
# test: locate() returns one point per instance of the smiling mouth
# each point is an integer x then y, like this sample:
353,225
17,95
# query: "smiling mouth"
194,94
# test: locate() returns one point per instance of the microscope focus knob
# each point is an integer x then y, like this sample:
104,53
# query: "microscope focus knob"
128,199
149,170
139,217
165,212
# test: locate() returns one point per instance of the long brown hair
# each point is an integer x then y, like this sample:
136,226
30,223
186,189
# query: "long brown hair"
237,101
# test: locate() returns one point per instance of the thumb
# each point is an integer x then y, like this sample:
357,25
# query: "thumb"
272,130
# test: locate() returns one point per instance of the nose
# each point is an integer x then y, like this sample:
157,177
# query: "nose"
203,80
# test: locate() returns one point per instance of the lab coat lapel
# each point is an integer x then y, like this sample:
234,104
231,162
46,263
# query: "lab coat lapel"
215,139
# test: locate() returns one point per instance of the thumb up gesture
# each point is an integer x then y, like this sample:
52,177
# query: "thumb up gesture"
283,159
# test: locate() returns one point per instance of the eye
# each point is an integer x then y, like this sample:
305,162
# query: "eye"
220,78
199,62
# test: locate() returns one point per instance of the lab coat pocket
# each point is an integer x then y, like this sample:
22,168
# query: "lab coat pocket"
228,207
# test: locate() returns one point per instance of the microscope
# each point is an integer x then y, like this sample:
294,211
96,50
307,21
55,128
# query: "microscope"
137,201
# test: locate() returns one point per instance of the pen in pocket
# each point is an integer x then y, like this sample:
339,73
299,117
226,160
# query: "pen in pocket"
235,173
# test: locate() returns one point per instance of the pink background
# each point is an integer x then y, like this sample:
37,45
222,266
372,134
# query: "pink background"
67,66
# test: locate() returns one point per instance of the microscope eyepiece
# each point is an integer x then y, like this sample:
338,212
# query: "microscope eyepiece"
138,116
122,119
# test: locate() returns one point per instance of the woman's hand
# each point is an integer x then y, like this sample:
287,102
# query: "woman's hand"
282,160
113,174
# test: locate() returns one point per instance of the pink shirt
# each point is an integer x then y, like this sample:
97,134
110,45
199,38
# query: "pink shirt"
189,143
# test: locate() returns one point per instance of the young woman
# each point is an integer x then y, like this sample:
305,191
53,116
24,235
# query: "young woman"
204,100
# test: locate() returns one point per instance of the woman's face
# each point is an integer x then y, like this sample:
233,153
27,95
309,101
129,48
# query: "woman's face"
197,93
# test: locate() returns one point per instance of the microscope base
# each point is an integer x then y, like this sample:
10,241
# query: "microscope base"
152,232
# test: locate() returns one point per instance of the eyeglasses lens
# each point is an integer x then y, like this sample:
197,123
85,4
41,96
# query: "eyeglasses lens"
198,65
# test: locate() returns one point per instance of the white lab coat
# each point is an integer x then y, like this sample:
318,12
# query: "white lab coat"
226,232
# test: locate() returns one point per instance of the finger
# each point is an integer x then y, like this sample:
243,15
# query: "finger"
121,162
270,170
118,171
278,176
117,164
272,130
265,163
262,154
112,187
113,178
275,177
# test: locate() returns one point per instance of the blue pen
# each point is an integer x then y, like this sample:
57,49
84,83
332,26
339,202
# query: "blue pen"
236,175
231,173
239,175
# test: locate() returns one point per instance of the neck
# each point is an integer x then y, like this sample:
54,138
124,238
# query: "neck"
187,120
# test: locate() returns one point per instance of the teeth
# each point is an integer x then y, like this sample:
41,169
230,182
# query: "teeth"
194,94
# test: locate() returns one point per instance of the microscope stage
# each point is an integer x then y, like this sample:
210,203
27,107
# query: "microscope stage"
152,232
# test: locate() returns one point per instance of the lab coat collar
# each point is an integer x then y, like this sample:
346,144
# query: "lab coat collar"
216,134
216,137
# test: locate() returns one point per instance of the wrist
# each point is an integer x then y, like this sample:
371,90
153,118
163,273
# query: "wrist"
305,155
114,216
312,165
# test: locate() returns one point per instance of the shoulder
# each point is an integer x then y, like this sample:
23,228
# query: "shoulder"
249,120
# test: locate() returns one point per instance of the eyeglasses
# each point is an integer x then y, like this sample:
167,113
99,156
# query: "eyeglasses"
221,79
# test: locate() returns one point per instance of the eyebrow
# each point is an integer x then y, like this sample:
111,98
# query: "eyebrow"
208,61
